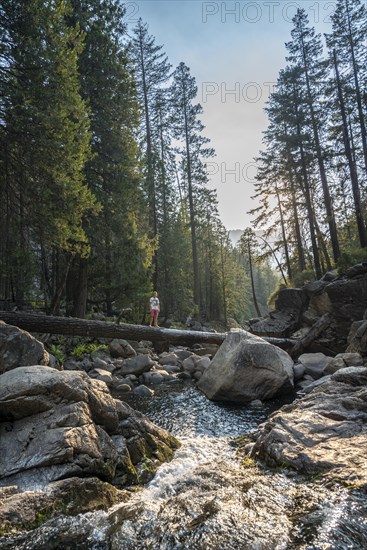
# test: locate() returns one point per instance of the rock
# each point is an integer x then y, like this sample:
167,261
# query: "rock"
359,269
121,348
319,305
155,377
343,360
182,354
314,363
171,369
121,388
100,354
72,364
53,362
324,432
189,364
308,385
247,368
298,371
358,341
73,496
203,364
57,425
354,376
197,374
18,348
143,391
184,375
168,359
208,349
286,319
102,375
137,365
99,363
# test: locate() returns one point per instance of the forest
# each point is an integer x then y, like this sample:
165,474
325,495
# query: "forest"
104,193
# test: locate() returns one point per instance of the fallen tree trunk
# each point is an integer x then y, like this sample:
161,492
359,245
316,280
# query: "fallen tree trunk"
321,324
72,326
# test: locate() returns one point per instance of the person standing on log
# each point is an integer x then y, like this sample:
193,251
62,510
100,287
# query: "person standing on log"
155,308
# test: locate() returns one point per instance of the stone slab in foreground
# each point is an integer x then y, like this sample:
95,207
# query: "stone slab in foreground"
324,432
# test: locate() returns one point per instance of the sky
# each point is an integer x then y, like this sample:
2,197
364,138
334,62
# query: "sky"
235,51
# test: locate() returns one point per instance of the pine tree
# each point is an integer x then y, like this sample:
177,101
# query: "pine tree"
187,127
118,269
45,137
152,72
305,51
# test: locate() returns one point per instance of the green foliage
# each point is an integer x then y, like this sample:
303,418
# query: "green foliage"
84,349
274,295
57,352
300,279
351,257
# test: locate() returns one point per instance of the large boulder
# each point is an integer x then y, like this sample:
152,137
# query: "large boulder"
56,425
325,431
246,368
18,348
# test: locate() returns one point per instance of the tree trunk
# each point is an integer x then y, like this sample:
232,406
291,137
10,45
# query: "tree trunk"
310,212
286,252
71,326
252,281
192,217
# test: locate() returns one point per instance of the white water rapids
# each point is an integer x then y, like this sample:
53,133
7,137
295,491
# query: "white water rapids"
206,499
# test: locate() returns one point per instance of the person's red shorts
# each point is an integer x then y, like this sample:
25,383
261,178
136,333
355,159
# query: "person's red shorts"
154,313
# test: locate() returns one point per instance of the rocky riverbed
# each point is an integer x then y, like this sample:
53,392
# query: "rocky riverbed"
82,435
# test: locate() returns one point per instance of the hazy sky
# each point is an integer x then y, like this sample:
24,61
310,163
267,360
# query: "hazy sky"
235,51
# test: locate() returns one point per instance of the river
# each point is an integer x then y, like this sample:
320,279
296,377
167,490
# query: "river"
210,497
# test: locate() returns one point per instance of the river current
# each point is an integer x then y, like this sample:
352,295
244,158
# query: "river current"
210,497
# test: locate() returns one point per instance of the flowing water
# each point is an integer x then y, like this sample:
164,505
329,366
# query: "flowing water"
210,498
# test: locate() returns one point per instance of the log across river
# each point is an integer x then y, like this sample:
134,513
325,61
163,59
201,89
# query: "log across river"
71,326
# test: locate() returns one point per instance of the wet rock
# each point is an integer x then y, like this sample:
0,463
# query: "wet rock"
18,348
143,391
137,365
121,348
62,424
70,496
325,431
247,368
314,364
